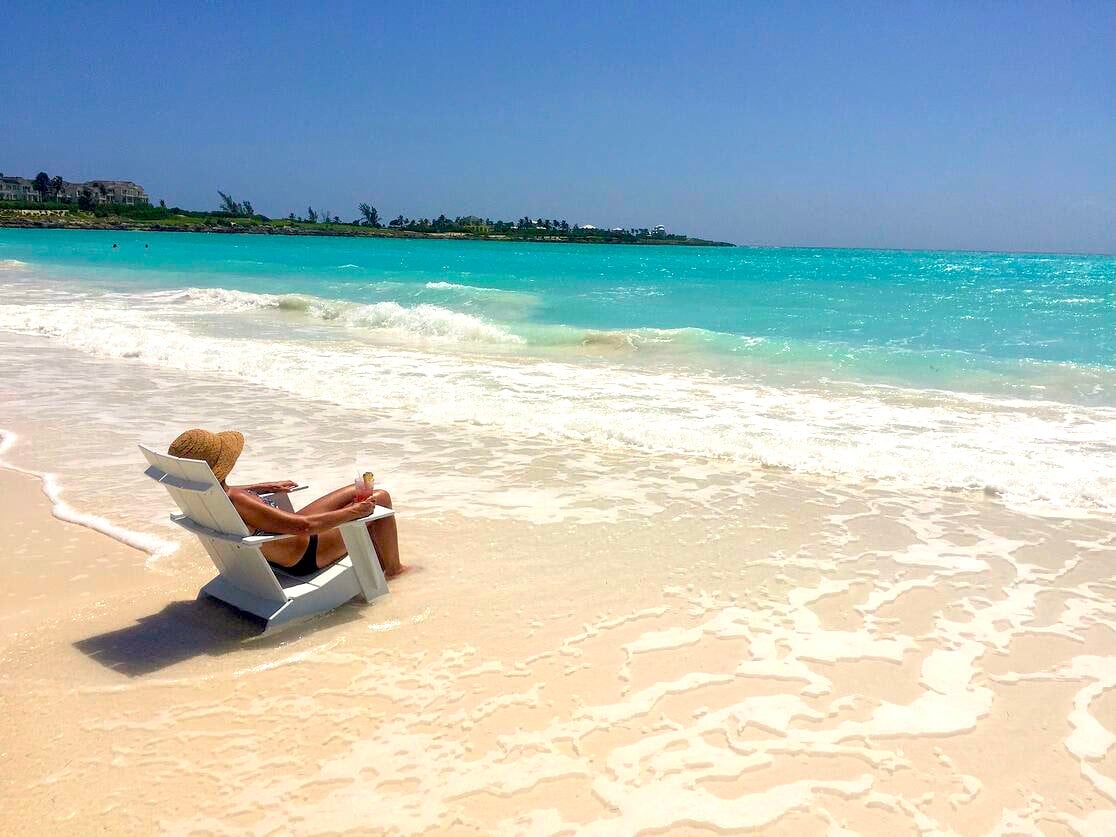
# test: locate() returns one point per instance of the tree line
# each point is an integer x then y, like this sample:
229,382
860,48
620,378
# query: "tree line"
369,216
53,188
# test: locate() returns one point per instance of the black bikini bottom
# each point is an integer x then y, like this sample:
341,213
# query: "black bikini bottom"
307,564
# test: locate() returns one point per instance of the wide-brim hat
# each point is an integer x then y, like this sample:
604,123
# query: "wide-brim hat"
219,450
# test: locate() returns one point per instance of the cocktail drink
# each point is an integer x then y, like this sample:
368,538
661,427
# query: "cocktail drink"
363,485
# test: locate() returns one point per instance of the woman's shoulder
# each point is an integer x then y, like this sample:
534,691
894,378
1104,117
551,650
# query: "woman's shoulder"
242,497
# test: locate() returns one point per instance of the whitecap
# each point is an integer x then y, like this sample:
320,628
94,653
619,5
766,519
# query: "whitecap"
421,321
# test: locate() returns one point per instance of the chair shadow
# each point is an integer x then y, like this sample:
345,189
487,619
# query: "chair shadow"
186,629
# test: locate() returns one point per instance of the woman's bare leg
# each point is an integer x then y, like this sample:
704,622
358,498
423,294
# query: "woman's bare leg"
385,536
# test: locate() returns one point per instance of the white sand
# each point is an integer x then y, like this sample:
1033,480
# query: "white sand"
799,674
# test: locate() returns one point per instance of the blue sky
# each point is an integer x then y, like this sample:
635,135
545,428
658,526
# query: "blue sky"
987,125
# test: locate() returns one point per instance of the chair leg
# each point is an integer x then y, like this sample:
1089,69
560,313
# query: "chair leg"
366,563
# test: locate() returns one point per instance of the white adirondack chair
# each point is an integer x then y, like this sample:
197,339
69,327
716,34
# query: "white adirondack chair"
246,580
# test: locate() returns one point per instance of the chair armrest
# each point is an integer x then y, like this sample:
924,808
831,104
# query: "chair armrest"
266,537
292,491
378,513
248,540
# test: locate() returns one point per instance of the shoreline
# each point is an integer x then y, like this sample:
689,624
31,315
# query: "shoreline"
333,232
155,548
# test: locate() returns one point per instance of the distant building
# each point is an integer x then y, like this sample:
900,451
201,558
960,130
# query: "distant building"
117,191
658,229
584,227
106,191
72,191
475,225
17,189
100,191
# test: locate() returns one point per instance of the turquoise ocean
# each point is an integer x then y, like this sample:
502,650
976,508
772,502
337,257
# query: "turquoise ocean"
988,371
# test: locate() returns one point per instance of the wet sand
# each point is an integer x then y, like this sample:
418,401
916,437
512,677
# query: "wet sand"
819,663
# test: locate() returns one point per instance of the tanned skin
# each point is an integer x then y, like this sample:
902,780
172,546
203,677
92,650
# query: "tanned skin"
321,518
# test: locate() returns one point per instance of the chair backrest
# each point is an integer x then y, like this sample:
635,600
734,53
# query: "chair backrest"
199,495
196,491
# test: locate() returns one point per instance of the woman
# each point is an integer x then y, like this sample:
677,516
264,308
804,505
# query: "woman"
316,541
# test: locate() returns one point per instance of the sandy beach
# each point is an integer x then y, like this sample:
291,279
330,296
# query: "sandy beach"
855,672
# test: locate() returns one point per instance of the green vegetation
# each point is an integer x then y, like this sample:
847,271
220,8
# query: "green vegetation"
238,216
42,184
233,208
369,216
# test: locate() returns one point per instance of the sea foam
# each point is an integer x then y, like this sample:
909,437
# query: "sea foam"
1056,456
52,489
422,321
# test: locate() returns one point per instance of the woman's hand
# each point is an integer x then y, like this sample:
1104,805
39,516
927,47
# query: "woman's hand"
363,508
281,487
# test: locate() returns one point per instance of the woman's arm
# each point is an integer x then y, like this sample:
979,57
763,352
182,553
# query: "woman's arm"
259,515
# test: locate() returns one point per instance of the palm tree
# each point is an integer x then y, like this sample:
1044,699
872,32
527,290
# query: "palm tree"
57,185
228,205
370,215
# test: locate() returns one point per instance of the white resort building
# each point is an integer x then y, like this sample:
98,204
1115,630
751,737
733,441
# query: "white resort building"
100,191
17,189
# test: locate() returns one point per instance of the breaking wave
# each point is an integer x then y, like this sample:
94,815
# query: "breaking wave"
1030,453
428,321
419,321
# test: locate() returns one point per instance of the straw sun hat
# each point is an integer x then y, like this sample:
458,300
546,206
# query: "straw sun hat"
220,450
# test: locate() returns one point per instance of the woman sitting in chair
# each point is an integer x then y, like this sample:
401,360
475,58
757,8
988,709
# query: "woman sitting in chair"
317,541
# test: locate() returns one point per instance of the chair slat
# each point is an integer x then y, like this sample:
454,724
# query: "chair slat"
221,510
193,505
246,567
161,476
215,555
